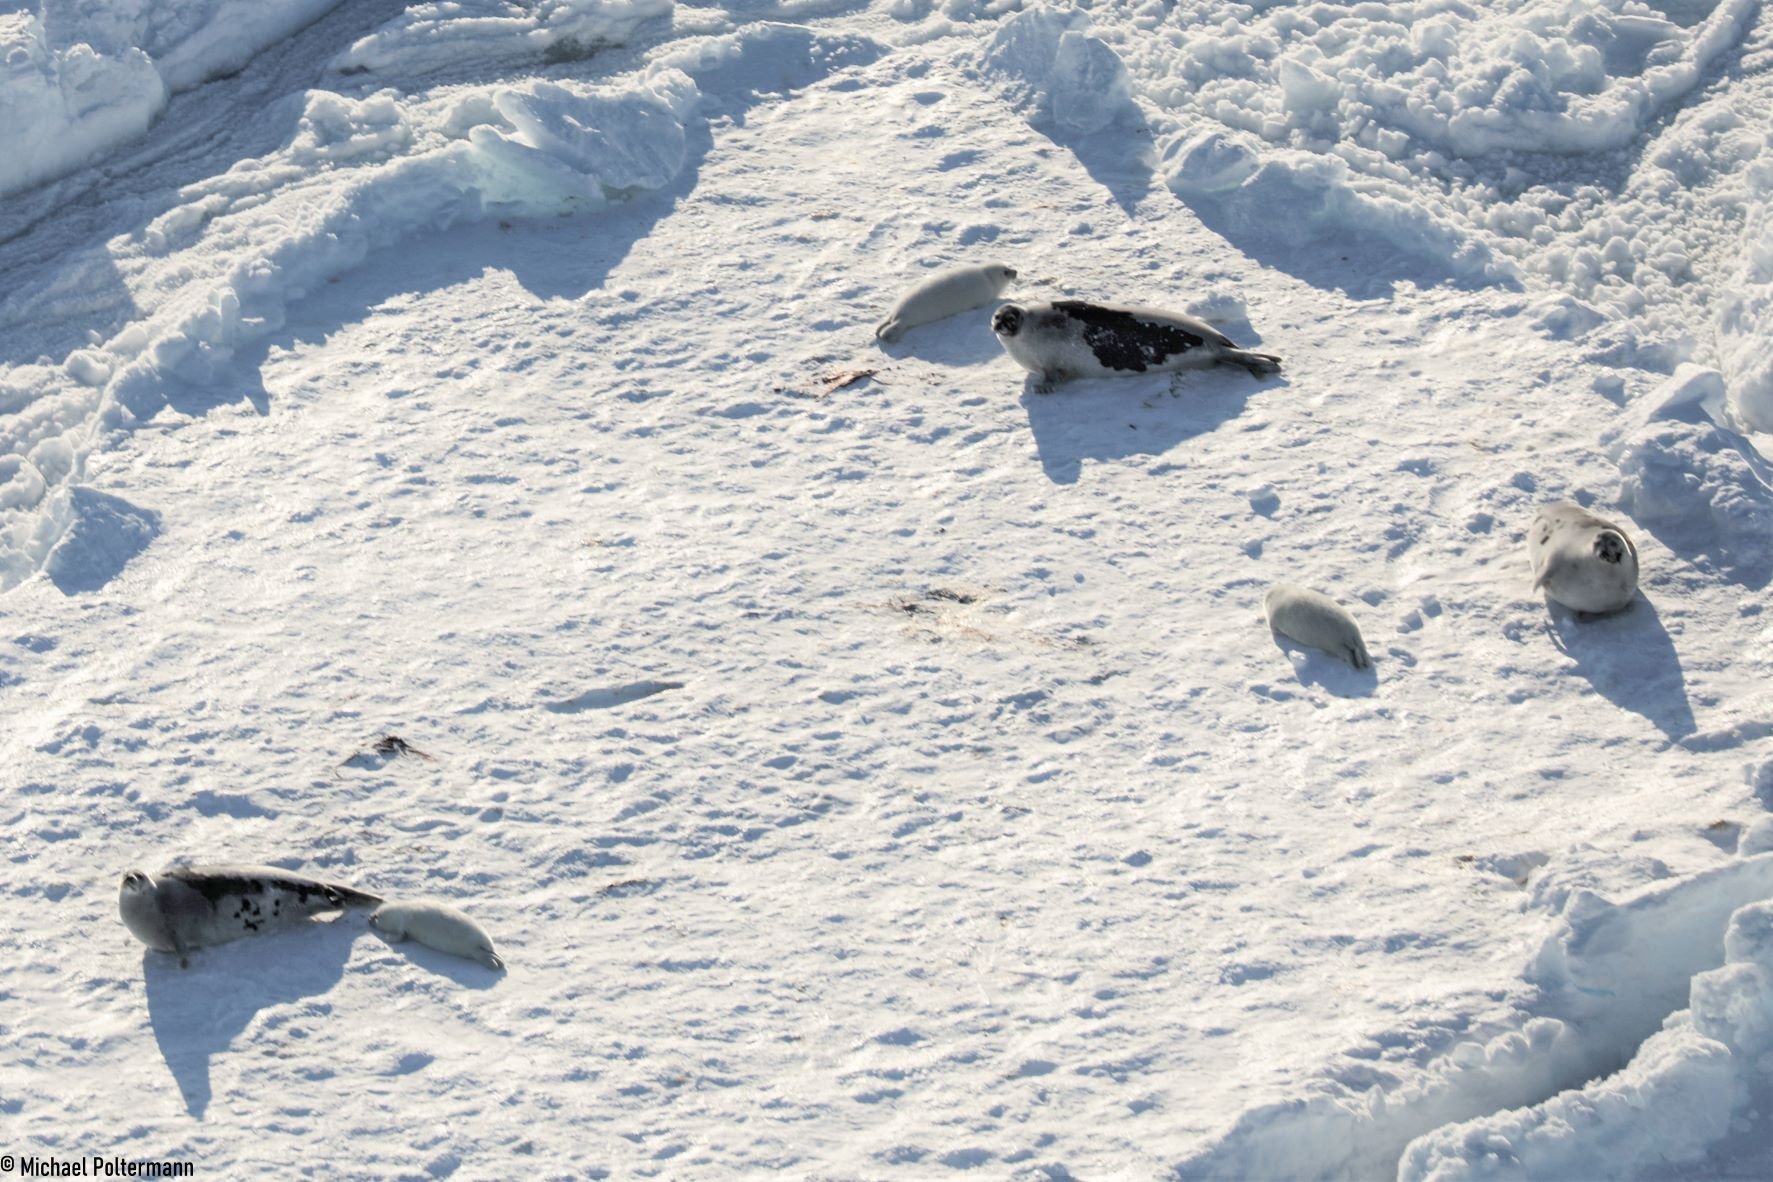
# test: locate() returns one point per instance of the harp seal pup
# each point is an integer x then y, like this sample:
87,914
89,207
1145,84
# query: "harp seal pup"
1582,561
186,907
1077,339
1317,621
944,294
436,925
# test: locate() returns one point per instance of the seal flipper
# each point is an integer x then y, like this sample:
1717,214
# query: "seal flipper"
352,897
1259,364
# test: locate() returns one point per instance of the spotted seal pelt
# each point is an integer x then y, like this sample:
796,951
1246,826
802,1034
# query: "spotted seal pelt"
1077,339
1584,562
186,907
944,294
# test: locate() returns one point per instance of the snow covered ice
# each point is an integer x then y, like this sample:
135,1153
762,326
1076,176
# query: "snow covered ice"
444,448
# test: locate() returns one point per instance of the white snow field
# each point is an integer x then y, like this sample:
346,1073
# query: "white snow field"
444,450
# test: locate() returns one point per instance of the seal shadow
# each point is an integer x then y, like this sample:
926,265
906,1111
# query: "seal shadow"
1629,659
469,974
1112,418
197,1013
964,339
1321,670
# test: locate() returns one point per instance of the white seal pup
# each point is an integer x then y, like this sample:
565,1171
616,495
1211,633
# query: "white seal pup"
1584,562
1077,339
944,294
1316,621
186,907
436,925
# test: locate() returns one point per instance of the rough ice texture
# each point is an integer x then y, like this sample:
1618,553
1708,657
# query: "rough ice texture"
1604,981
1690,477
394,167
1051,65
88,75
63,107
1667,1107
1686,1085
455,32
1745,317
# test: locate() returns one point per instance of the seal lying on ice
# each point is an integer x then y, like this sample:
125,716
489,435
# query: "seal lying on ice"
1582,561
186,907
436,925
1317,621
944,294
1076,339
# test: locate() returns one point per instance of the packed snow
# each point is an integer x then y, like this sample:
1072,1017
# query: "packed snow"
445,450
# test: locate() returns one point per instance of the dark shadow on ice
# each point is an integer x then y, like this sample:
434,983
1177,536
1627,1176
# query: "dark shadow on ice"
962,339
552,258
470,974
198,1012
1629,659
1128,176
1332,674
1110,418
1270,217
1704,489
609,696
776,60
105,533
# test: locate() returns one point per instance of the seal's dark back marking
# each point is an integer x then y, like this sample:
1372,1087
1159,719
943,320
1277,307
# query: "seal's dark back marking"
217,886
1121,340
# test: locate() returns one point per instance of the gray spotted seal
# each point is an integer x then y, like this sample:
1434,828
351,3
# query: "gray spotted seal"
1078,339
944,294
1316,621
1582,561
186,907
436,925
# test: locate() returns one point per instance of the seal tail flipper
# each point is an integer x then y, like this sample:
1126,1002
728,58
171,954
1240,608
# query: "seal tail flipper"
1260,364
352,897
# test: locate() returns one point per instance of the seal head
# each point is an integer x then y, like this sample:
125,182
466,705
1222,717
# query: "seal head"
1582,561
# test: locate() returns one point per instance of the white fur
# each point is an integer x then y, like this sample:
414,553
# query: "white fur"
1317,621
944,294
436,925
1564,548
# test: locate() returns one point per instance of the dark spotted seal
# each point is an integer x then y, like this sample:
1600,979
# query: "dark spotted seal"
186,907
1077,339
